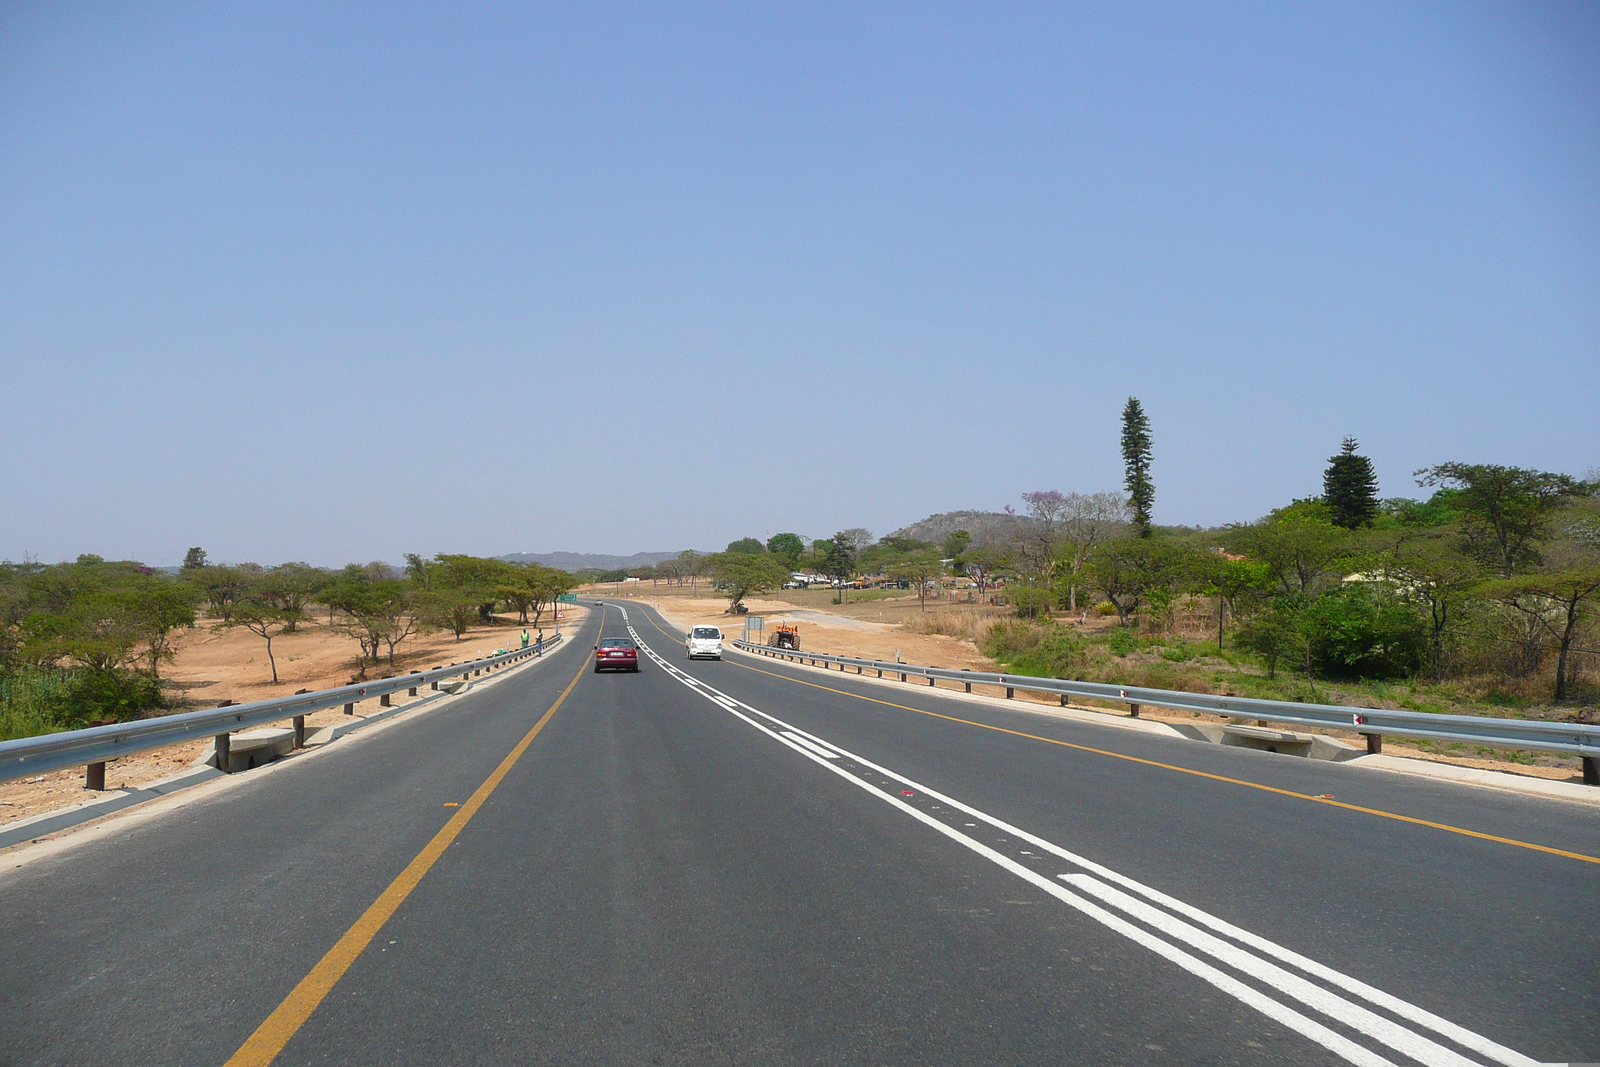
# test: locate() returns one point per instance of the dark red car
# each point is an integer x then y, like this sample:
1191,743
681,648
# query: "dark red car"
616,654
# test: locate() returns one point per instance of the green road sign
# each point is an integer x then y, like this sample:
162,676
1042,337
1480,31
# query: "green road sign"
567,598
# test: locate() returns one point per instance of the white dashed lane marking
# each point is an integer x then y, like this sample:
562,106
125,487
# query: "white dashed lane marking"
1257,972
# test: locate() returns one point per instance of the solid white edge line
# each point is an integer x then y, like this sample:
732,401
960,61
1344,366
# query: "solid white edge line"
1411,1012
1282,1013
812,745
1404,1041
1331,1004
1405,1009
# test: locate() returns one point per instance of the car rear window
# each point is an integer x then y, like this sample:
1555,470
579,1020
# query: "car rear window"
616,642
707,631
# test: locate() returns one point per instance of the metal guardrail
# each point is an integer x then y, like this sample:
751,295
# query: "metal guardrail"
97,745
1579,739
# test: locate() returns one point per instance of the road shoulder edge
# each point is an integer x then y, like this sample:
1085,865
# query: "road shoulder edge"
1543,788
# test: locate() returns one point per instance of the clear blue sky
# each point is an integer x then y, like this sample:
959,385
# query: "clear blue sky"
316,281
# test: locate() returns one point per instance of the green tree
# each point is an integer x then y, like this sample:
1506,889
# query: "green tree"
1350,487
267,619
694,566
1425,565
1557,603
379,612
748,545
1274,635
1299,544
838,556
788,546
194,559
955,543
450,607
745,574
1352,632
532,588
983,564
457,590
1132,571
1357,631
290,586
1509,509
1235,583
1136,465
158,607
105,616
353,596
220,588
922,569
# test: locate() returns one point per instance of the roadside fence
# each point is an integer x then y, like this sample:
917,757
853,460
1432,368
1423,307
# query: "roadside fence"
1571,738
95,746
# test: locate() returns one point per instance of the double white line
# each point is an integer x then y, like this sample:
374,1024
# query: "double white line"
1209,948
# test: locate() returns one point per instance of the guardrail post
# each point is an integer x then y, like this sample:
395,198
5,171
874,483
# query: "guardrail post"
1374,743
1011,692
384,701
299,731
94,776
1063,700
1591,770
1133,711
902,676
435,685
350,709
931,680
224,748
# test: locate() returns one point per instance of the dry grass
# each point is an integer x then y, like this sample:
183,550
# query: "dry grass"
965,624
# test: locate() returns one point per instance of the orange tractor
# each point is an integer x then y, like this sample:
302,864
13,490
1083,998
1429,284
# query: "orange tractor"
786,637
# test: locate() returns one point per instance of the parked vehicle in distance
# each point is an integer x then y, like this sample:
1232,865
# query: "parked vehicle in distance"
616,654
704,641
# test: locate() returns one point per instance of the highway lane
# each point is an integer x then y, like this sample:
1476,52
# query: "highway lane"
667,885
170,941
1473,929
662,877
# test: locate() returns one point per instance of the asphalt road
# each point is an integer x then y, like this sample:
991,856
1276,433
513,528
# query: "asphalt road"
748,862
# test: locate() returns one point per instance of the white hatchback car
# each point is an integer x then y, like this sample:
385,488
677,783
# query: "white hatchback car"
704,641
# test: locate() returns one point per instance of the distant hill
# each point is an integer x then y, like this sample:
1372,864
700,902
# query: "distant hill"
577,561
982,525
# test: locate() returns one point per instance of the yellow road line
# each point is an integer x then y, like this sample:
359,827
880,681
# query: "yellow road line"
1480,835
263,1046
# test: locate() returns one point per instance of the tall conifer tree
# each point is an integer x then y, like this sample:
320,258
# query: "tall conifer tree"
1136,464
1350,488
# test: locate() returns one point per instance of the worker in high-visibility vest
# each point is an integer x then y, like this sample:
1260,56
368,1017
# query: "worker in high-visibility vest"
524,637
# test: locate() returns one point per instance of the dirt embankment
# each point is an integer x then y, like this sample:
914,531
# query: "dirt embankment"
823,631
215,664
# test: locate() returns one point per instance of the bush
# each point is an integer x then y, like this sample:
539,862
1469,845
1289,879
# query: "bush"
1348,633
1355,633
1029,602
1043,649
1122,641
42,700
